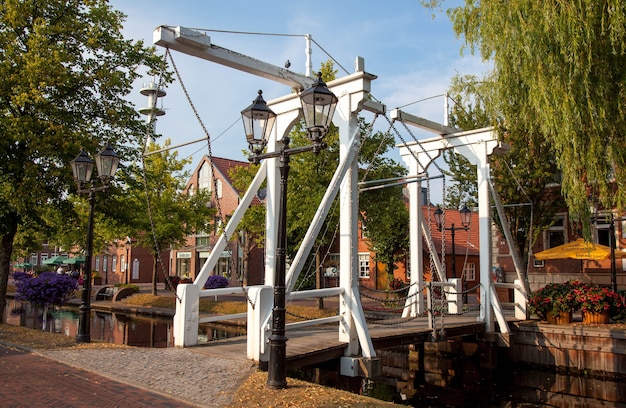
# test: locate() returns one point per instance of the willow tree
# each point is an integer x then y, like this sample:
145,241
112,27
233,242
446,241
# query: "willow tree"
559,70
64,74
520,177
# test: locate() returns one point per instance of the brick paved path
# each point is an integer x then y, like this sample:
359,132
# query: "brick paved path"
29,380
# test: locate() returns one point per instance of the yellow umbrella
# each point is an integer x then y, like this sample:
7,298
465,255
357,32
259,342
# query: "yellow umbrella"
579,249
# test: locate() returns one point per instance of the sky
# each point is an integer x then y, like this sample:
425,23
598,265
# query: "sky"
413,52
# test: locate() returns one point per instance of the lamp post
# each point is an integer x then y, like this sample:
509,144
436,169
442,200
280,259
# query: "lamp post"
612,244
318,105
82,167
466,218
129,243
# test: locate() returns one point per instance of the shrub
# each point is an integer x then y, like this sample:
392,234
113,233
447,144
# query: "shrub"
135,288
216,281
47,288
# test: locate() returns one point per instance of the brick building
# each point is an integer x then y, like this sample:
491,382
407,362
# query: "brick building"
188,260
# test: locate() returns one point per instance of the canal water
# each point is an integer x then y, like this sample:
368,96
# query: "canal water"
443,381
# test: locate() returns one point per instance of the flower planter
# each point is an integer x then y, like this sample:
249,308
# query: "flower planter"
559,318
595,317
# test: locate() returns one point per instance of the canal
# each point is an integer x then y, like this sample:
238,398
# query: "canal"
443,381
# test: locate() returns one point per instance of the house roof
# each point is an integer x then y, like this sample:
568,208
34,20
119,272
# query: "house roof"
465,241
224,166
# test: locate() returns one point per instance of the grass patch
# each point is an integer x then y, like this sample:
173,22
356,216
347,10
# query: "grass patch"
227,307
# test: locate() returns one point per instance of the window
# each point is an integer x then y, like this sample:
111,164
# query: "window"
219,188
556,233
105,263
33,259
204,177
114,263
470,271
97,268
122,263
364,231
202,238
364,266
538,264
603,229
44,257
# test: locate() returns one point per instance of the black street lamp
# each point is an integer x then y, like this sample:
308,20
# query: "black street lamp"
466,218
318,104
129,244
82,167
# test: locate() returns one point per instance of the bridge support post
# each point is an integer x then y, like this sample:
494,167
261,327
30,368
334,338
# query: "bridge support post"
521,303
455,296
259,311
187,314
360,367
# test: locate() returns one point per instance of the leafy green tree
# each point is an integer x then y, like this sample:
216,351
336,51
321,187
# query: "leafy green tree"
163,213
64,73
383,212
558,72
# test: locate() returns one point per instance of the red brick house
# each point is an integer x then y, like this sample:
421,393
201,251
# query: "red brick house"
373,275
188,260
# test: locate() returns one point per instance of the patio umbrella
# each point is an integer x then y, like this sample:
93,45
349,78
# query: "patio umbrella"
23,265
74,261
55,260
579,249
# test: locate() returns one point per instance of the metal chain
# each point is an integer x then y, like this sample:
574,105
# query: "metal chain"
211,162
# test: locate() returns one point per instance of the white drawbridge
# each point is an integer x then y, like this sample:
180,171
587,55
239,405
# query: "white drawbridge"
353,92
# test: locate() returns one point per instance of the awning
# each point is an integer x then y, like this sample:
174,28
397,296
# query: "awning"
55,260
23,265
74,261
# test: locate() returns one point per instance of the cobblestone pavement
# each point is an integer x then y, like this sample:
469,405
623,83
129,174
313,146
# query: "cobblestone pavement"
30,380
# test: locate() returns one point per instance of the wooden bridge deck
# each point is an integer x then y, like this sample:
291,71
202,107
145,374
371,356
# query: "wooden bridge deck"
317,344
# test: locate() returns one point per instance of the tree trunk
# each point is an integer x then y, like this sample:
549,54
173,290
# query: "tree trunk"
154,274
318,279
10,222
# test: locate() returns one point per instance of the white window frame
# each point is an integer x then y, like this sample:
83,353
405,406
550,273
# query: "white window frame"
469,271
364,265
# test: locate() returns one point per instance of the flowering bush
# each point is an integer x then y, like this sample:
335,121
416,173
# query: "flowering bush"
47,288
216,281
555,298
593,299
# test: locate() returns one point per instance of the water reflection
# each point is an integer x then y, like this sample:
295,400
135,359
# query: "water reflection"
444,381
116,328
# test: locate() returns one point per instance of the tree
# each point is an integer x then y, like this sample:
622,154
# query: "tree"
64,73
383,212
558,72
164,215
520,177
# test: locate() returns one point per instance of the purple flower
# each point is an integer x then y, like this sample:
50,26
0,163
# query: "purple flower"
48,288
216,281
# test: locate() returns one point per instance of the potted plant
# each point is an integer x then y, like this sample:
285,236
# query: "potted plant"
555,302
598,304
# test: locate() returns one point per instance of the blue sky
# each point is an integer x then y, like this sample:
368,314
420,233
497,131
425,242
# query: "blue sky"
413,54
